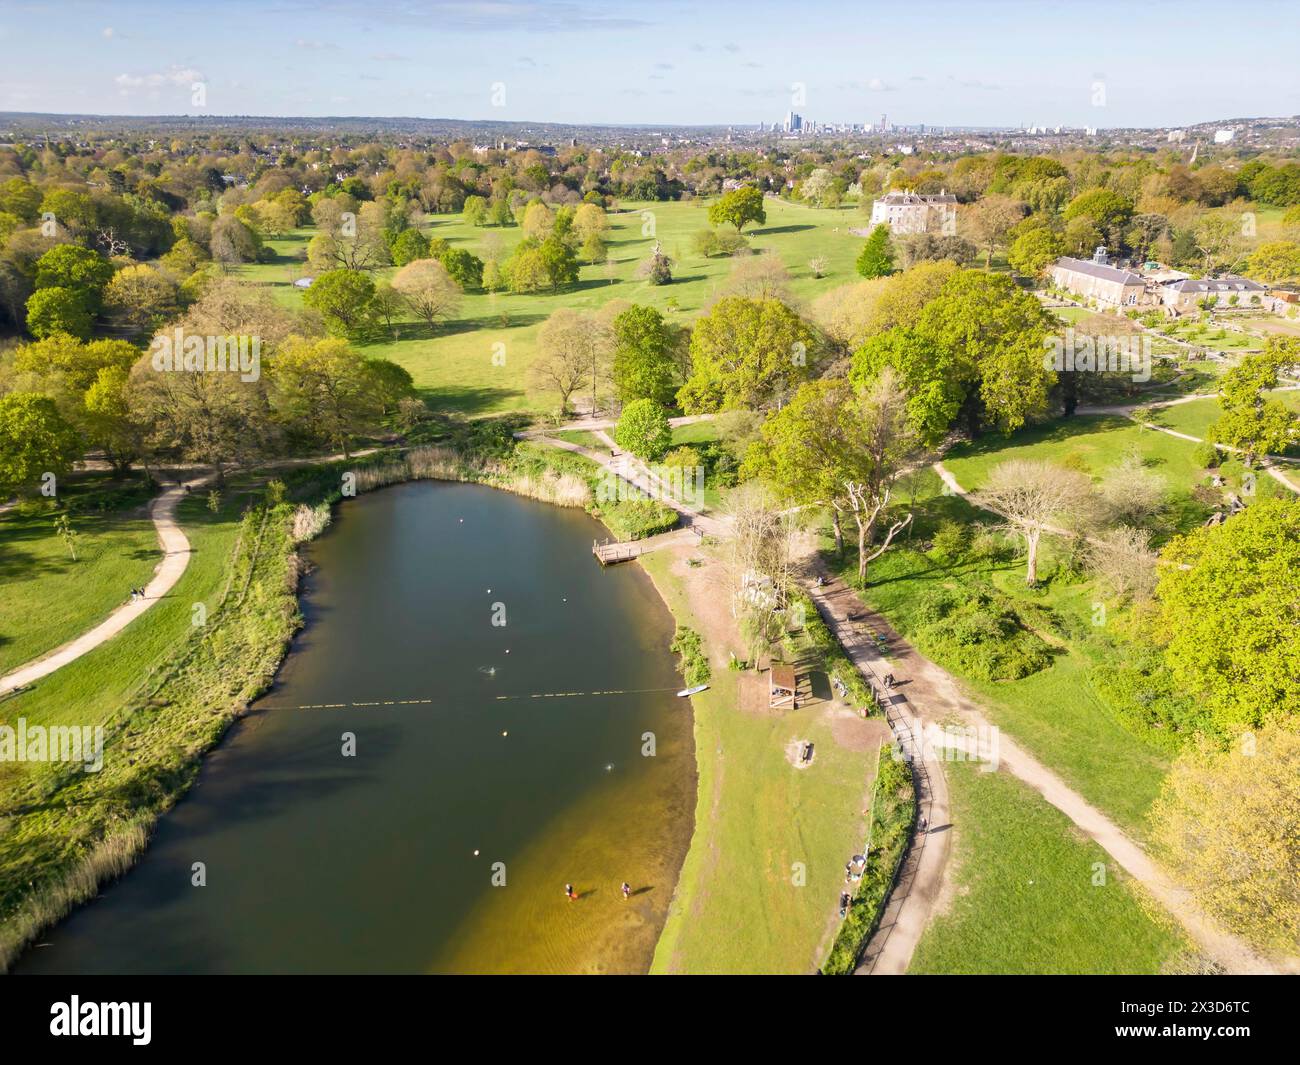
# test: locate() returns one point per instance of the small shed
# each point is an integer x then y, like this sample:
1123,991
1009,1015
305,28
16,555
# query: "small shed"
783,685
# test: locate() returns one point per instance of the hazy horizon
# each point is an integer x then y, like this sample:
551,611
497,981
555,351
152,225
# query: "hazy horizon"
1001,65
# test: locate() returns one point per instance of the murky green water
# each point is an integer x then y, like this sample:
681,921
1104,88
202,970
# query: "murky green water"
319,862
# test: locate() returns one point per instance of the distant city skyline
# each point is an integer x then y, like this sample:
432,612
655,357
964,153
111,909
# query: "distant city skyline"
999,63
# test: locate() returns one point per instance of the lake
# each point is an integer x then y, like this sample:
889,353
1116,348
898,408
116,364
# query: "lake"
433,827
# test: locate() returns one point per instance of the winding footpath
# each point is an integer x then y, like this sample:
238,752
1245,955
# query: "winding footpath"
933,698
176,557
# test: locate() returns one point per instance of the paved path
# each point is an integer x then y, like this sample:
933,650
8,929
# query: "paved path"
593,424
176,556
931,695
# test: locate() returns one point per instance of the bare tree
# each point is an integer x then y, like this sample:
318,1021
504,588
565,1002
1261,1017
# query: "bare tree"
1122,560
1032,494
884,442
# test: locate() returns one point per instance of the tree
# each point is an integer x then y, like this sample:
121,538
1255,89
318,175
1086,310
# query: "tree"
1226,824
409,245
465,268
593,247
882,441
429,290
539,221
475,210
876,259
759,277
1251,421
140,297
822,188
935,376
353,236
570,351
499,213
57,310
1229,619
1275,260
988,222
643,356
65,532
35,439
1121,559
108,422
325,389
343,297
1033,252
1108,209
558,261
746,354
738,208
234,241
79,270
657,269
643,429
589,220
1031,495
995,330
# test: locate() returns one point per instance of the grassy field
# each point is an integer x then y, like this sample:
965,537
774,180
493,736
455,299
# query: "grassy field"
48,597
1092,444
454,367
1028,897
1196,418
756,817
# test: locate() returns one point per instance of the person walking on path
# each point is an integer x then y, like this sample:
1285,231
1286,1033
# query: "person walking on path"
569,893
627,891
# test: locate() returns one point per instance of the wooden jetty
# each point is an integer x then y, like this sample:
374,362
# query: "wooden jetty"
611,552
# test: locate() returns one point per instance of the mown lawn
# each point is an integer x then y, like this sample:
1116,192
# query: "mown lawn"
1196,418
1092,444
454,365
1033,895
48,597
737,908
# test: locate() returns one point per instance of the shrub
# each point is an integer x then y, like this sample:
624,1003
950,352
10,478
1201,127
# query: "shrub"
980,632
695,663
951,540
1206,455
686,457
635,519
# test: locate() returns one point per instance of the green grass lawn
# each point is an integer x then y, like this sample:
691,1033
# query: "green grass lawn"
1196,418
1029,896
48,597
454,366
1092,444
737,908
97,685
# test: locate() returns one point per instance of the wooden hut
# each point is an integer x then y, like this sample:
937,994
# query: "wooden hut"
783,685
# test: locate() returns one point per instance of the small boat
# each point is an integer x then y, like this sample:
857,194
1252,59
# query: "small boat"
692,691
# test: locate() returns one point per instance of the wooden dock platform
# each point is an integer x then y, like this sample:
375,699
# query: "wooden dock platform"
609,552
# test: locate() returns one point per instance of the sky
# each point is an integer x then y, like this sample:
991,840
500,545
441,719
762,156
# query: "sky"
977,62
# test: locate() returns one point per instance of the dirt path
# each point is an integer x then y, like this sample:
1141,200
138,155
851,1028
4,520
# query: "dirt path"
933,696
921,886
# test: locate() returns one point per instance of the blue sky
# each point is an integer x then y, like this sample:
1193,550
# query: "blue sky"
978,62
